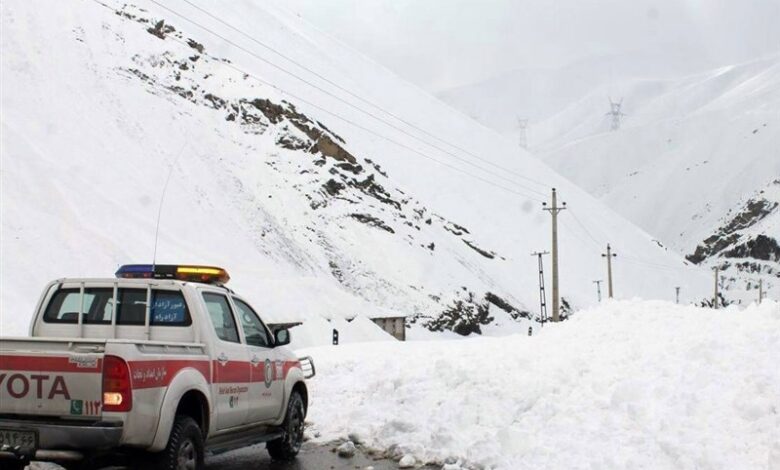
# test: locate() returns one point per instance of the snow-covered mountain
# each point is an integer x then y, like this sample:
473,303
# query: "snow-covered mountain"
539,94
745,245
327,200
692,150
689,158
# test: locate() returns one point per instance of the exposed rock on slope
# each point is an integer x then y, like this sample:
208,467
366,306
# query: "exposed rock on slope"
746,245
339,185
316,208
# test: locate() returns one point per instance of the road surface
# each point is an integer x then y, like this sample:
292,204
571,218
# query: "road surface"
312,457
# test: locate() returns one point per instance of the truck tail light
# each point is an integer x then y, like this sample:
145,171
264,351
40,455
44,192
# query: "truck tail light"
117,389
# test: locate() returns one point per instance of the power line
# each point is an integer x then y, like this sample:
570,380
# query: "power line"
352,105
376,133
630,259
584,229
368,130
337,86
656,265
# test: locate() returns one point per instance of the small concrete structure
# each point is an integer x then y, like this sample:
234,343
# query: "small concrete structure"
396,326
280,326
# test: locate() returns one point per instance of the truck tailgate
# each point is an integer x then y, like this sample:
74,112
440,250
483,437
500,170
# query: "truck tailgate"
51,377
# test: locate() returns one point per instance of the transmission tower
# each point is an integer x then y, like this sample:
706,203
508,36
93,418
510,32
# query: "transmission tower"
522,125
598,288
542,295
615,113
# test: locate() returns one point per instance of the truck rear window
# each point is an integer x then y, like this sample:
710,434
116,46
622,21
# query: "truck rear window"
168,307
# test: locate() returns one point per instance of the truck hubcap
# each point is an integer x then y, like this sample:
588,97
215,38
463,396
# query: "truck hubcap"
187,458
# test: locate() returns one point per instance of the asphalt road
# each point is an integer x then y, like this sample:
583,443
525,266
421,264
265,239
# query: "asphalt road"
312,457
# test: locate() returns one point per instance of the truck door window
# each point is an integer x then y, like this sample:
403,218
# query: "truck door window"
254,330
169,308
221,317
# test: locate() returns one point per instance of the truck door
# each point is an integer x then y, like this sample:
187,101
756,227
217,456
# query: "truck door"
230,363
266,391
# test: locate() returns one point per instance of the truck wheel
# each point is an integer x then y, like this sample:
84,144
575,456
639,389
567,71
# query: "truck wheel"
288,446
14,464
185,447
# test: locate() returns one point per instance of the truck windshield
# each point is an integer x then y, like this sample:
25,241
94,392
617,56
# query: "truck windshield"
168,307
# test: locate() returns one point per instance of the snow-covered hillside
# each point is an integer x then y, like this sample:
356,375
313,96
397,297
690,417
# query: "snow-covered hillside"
626,385
539,94
314,205
689,155
745,246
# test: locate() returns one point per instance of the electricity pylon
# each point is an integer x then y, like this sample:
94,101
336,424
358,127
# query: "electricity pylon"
616,113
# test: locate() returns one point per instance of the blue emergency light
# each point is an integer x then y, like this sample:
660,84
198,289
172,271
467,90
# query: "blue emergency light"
189,273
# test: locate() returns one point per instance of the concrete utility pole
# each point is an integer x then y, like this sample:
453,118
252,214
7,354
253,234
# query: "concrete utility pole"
598,288
609,255
677,295
542,296
522,124
715,299
554,210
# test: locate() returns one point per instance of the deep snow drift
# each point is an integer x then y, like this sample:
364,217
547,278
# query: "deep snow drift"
630,384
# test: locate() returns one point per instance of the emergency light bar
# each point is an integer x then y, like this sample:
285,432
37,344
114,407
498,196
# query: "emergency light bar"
189,273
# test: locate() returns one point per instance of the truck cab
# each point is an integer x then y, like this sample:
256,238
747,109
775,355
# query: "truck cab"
162,363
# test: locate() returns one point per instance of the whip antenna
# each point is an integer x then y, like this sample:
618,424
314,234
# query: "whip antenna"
162,200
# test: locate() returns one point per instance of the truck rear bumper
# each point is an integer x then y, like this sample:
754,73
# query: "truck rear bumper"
69,436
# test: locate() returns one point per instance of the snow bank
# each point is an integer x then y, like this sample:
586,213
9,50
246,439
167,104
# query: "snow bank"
318,331
627,385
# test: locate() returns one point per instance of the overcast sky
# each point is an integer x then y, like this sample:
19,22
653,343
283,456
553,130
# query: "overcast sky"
440,44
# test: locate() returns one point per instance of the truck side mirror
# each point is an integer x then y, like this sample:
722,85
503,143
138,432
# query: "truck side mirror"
282,337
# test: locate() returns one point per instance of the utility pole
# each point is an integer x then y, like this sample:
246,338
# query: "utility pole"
522,124
715,298
760,291
609,255
677,295
616,113
598,288
542,296
554,210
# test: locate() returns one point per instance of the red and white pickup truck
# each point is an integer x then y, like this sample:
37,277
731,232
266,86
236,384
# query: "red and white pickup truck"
161,364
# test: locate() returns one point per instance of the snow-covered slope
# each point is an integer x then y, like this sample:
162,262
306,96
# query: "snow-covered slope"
745,246
538,94
689,153
315,207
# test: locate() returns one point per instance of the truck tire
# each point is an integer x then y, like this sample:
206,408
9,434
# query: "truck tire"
12,464
288,446
185,447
